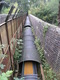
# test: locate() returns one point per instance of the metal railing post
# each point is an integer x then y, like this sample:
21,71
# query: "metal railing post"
6,27
1,44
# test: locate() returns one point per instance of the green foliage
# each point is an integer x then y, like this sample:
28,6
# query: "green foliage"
49,74
18,78
8,1
17,54
47,12
18,50
5,10
2,66
2,56
45,30
5,76
23,5
16,5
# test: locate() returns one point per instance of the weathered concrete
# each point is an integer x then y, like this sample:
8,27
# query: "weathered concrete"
2,18
50,40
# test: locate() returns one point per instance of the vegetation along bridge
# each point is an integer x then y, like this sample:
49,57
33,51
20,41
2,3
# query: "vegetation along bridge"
29,47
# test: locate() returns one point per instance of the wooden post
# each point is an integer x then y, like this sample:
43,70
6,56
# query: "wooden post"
8,43
42,72
11,28
1,44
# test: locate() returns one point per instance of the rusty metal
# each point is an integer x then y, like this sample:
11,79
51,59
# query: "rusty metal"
6,32
8,44
19,13
9,14
42,72
6,27
11,29
1,44
15,13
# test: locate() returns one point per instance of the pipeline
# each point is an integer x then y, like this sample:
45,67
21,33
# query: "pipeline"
30,60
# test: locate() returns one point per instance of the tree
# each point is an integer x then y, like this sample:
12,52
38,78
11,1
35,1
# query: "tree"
23,4
44,1
47,12
3,4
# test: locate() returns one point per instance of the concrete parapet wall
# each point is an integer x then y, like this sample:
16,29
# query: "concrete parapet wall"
2,18
49,36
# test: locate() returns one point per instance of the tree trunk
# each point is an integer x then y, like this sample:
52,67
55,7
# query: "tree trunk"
59,15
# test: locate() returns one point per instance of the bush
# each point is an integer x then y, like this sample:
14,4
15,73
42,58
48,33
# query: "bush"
47,12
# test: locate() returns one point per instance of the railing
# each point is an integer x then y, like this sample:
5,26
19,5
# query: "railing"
9,32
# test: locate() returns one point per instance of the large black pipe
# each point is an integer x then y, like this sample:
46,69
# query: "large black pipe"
27,31
27,23
29,38
29,49
29,52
